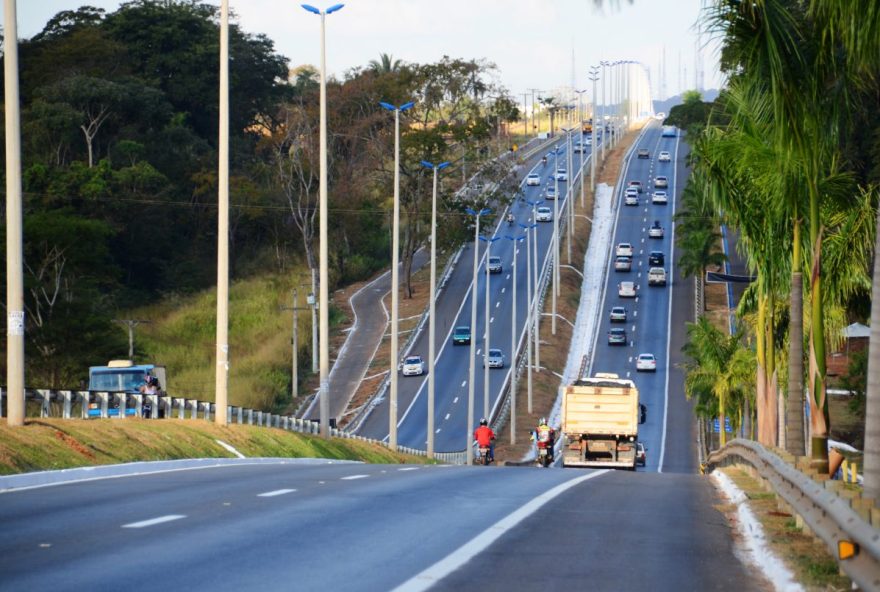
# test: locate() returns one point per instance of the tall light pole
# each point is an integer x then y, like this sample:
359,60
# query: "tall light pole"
432,321
513,332
486,327
536,314
528,227
221,376
473,350
395,279
323,260
14,256
594,76
603,63
570,191
555,241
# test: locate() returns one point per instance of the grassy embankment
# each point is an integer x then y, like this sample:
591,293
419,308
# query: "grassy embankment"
45,444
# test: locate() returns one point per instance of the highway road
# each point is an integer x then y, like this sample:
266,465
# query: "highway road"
657,315
347,526
454,309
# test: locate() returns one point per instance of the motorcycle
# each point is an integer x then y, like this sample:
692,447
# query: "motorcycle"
544,160
510,219
484,456
545,454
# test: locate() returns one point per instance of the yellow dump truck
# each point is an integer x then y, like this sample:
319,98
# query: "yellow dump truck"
600,422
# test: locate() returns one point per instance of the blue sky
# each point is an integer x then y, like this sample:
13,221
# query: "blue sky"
530,41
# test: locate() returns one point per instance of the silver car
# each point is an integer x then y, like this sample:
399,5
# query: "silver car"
618,314
623,264
495,358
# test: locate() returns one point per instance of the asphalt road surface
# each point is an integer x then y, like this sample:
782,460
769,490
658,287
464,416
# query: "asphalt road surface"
454,309
369,527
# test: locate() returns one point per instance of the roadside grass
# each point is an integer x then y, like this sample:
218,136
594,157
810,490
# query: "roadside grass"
805,556
48,444
181,336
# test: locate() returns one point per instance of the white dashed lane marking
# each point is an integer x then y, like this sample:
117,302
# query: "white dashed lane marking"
352,477
276,492
408,469
154,521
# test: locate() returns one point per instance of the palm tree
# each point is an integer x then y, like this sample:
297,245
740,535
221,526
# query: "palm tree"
385,64
721,367
856,23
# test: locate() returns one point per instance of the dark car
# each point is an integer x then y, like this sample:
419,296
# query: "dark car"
657,258
461,335
617,336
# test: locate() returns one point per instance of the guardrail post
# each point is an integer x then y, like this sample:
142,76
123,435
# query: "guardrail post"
194,408
229,415
65,410
208,412
105,400
240,413
138,405
181,407
2,395
45,398
250,416
259,418
122,398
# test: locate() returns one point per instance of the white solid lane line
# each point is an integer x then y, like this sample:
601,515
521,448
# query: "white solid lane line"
433,574
154,521
350,477
408,469
276,492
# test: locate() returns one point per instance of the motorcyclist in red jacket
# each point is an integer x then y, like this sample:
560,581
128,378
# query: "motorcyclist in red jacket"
485,437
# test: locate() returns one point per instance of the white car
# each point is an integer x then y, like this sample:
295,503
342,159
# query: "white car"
533,179
413,366
618,314
659,197
578,147
623,250
495,358
656,231
561,175
664,157
588,140
626,290
544,214
646,363
550,193
661,182
656,276
623,264
631,199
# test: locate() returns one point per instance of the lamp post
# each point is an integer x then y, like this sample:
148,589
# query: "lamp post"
473,354
515,240
14,257
570,193
555,241
594,76
323,293
528,227
395,279
487,328
431,316
294,364
536,316
603,63
221,370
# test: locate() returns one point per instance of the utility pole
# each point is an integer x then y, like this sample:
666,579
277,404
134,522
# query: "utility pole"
294,362
131,324
525,116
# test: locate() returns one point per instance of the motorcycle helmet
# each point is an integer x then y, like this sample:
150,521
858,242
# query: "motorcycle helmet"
543,421
484,422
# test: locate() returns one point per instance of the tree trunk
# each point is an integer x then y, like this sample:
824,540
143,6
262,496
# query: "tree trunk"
819,420
872,411
794,413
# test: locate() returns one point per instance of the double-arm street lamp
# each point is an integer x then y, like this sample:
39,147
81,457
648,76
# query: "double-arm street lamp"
593,77
431,320
486,327
536,316
395,279
323,261
473,355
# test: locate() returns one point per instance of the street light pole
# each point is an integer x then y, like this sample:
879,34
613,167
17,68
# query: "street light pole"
533,302
528,227
323,259
473,354
570,191
395,277
432,321
221,376
594,76
513,332
555,242
487,328
14,249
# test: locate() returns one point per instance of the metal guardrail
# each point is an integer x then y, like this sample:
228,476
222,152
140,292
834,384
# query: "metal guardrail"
826,514
70,404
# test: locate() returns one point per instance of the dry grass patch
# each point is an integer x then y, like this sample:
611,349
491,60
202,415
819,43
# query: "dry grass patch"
806,556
